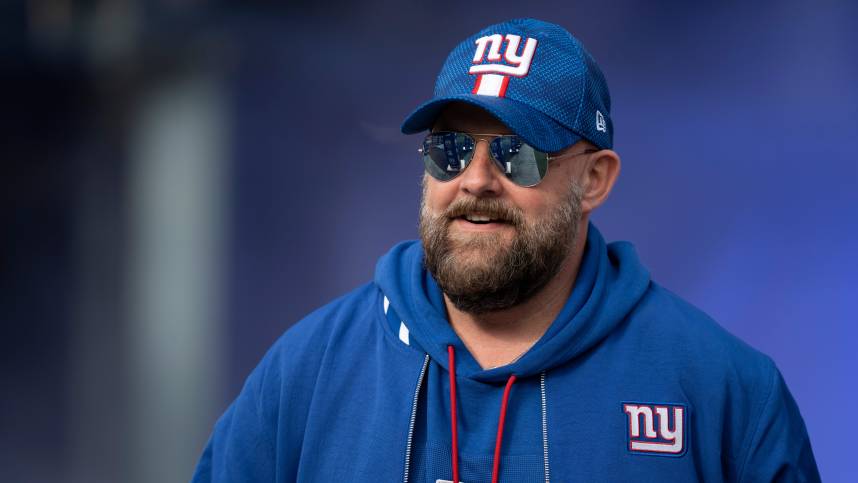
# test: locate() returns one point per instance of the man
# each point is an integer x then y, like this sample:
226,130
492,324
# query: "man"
512,343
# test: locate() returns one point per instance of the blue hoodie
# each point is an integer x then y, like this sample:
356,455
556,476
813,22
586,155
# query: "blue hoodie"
629,383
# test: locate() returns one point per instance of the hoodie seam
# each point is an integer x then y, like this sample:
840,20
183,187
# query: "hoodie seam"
756,431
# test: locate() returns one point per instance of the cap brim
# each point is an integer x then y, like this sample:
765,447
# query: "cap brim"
539,130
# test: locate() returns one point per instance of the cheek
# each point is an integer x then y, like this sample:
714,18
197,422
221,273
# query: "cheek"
533,203
549,194
439,195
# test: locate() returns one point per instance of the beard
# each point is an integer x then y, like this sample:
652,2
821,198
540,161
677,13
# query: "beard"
485,272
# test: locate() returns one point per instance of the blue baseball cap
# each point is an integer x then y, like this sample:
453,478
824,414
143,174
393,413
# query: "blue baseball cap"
534,77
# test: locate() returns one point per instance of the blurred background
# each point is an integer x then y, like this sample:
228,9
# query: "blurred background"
182,180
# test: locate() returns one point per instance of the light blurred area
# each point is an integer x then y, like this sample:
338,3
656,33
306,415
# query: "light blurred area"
182,180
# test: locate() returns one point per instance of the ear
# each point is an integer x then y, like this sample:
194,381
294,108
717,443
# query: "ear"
602,170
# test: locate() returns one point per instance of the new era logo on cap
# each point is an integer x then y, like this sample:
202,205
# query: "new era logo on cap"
601,125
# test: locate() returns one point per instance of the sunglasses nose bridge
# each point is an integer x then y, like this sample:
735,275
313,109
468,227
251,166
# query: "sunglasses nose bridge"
489,152
482,176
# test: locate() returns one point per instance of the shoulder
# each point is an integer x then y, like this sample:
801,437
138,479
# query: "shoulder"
346,317
688,335
738,392
252,438
734,389
676,320
289,370
338,313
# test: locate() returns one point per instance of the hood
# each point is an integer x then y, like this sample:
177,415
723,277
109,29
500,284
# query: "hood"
610,282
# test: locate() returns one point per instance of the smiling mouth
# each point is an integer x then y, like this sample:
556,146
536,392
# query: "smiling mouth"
480,219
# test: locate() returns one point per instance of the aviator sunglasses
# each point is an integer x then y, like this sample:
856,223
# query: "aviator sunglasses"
447,153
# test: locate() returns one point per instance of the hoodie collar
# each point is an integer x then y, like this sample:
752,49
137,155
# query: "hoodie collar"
609,283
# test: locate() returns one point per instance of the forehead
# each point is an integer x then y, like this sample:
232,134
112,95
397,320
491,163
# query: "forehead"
460,116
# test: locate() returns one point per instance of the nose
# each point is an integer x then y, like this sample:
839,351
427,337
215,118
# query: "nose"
482,177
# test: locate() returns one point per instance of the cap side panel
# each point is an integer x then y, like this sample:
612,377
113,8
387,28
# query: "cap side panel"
576,123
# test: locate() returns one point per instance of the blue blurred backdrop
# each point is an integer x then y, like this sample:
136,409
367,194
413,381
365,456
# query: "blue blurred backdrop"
182,180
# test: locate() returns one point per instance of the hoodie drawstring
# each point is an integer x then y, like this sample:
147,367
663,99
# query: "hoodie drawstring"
498,440
452,363
496,462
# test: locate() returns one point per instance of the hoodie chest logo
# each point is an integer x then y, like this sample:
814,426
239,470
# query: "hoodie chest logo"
656,429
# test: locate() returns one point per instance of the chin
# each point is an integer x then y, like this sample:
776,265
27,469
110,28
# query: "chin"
485,241
478,252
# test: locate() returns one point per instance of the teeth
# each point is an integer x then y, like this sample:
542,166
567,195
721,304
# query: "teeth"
477,218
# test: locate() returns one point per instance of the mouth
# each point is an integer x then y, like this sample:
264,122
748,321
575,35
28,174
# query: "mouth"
480,222
480,218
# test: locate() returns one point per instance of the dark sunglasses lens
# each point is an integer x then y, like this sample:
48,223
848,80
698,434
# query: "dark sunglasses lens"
447,154
521,163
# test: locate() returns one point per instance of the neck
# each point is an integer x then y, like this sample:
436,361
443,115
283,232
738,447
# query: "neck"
501,337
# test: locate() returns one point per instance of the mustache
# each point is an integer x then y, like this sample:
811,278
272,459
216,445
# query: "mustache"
491,207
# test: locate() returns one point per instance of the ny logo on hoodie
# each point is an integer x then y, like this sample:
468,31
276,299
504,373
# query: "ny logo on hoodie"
647,437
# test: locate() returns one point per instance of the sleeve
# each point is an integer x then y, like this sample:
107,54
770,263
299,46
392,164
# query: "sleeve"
241,447
779,448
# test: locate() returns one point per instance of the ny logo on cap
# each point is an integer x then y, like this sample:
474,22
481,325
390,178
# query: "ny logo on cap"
493,76
645,437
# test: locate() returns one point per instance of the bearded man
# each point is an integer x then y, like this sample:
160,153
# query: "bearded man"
512,343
